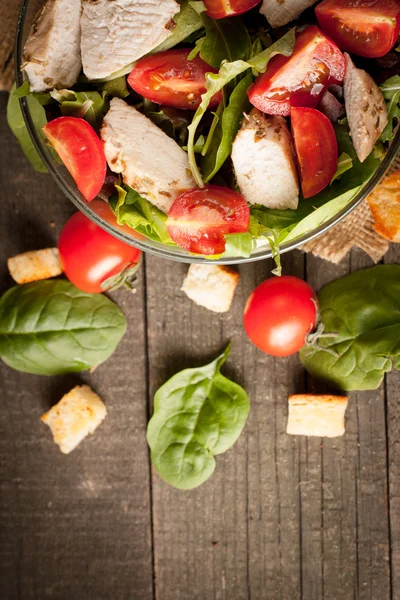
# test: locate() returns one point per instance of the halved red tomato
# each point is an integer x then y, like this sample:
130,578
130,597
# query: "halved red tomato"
368,28
81,151
316,148
200,218
218,9
300,79
170,78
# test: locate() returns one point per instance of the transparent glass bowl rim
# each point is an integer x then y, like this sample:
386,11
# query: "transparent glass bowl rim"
158,248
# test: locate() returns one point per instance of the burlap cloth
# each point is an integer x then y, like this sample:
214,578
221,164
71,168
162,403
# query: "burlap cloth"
356,230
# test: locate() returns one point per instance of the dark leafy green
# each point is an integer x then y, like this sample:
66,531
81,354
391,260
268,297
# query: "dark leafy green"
198,414
363,309
391,93
225,39
51,327
117,88
187,22
90,106
227,127
137,212
17,125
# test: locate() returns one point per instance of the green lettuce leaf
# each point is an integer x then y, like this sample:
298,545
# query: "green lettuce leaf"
225,39
215,82
227,127
90,106
17,125
345,163
140,214
117,88
391,93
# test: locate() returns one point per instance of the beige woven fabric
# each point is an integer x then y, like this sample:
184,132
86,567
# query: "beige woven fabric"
356,230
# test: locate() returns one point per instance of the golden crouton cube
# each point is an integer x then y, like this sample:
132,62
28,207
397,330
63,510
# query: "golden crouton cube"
211,286
35,265
77,414
384,203
313,415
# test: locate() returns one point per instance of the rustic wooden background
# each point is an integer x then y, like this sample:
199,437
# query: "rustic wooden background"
282,518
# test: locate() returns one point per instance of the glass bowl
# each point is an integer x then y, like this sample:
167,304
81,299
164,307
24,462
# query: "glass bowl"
94,212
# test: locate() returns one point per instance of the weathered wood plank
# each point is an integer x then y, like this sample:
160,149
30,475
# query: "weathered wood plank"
74,526
393,433
352,548
237,536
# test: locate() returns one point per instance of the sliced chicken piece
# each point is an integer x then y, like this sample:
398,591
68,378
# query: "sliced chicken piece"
118,32
150,162
281,12
365,107
52,53
264,163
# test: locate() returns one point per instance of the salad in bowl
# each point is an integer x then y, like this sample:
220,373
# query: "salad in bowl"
223,129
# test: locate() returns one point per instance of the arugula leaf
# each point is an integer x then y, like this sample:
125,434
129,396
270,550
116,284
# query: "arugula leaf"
17,125
90,106
198,414
215,82
140,214
391,93
225,39
345,163
51,327
363,309
227,127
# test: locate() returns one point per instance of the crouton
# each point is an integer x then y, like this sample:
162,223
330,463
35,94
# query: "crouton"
312,415
211,286
384,203
77,414
35,265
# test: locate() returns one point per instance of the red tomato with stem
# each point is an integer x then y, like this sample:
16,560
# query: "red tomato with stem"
170,78
81,151
368,28
90,256
200,218
316,148
279,315
300,79
218,9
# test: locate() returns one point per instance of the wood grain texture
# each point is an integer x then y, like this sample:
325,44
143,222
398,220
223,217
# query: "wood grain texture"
74,526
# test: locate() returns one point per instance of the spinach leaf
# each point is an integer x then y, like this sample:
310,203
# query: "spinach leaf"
140,214
215,82
363,309
90,106
17,125
227,127
51,327
391,93
198,414
225,39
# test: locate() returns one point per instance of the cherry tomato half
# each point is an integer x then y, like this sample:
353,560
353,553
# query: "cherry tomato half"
316,148
368,28
218,9
170,78
200,218
81,151
300,79
89,255
279,314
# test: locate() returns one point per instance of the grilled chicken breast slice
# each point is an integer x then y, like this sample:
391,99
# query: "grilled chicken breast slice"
118,32
150,161
52,54
365,107
281,12
264,163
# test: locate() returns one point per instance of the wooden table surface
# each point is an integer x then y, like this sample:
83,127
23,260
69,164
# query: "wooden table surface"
282,518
